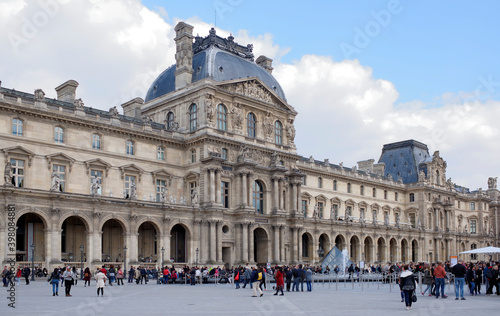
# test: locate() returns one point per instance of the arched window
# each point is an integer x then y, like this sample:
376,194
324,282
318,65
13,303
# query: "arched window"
251,125
258,197
17,127
193,117
278,133
222,117
170,119
58,134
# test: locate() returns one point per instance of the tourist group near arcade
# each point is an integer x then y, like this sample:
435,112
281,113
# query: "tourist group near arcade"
205,170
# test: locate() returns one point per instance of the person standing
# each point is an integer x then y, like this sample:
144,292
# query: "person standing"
27,272
254,279
279,281
19,273
119,276
237,278
288,275
68,280
428,280
101,278
309,274
407,284
86,276
192,275
111,274
459,271
440,274
492,278
54,280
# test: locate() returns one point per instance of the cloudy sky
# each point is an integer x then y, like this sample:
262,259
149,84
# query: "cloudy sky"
360,73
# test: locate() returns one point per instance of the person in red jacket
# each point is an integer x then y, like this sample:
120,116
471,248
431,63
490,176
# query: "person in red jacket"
280,283
440,274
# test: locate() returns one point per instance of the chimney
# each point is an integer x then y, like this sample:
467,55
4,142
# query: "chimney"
184,55
67,91
133,107
266,63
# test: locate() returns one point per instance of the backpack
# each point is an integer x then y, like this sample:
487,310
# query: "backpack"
259,277
237,277
86,274
489,274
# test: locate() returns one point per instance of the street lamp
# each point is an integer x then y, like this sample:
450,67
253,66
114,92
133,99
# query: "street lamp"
162,254
32,261
81,262
125,260
197,252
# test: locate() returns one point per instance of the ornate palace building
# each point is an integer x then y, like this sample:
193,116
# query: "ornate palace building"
205,170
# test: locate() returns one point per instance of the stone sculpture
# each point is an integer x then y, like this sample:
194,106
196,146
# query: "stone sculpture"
8,174
55,182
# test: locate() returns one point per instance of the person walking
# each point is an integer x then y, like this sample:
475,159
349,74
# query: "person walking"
75,274
131,274
19,273
255,279
289,275
408,285
248,276
428,280
111,275
137,275
86,276
54,280
68,280
101,278
492,277
459,271
119,276
27,272
280,283
237,277
296,277
440,274
262,272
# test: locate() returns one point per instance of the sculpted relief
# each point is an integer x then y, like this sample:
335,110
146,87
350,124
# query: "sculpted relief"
251,89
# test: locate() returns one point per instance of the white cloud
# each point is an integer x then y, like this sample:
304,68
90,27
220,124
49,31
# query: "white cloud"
115,49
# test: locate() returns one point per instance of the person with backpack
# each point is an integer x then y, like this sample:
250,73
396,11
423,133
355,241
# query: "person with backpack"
86,276
262,272
255,278
237,277
54,280
248,276
492,276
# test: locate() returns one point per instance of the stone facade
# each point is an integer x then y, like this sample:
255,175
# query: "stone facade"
208,173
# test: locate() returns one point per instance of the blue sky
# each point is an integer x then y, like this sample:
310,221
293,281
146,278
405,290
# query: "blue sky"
428,48
360,74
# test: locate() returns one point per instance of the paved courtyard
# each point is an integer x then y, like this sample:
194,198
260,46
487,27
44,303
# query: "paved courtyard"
222,299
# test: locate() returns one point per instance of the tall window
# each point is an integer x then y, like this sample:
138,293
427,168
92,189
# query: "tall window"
304,180
396,196
224,153
160,188
170,120
17,172
304,207
193,155
193,117
472,206
413,220
473,227
61,170
192,186
385,194
222,117
320,182
278,133
374,192
258,197
17,127
251,125
128,185
320,209
160,153
349,211
129,147
224,194
348,188
96,174
362,190
473,256
96,141
335,209
412,197
58,134
334,185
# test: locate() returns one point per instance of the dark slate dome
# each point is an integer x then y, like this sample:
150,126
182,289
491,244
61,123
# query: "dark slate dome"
218,59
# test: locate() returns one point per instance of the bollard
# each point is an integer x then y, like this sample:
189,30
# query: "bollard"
329,280
390,284
361,282
420,281
352,282
345,282
337,283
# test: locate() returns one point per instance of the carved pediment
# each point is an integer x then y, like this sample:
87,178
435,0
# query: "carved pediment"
97,163
375,206
162,174
336,200
191,175
18,151
131,168
59,157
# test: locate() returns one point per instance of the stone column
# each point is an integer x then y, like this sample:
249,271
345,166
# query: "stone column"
436,218
211,177
299,245
244,242
276,246
282,244
213,254
244,193
251,257
275,194
196,240
48,246
249,189
297,198
294,198
55,238
218,186
447,220
89,247
165,239
219,241
281,195
205,238
133,249
295,244
206,186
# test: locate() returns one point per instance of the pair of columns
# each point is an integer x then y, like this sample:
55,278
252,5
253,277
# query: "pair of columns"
213,185
210,240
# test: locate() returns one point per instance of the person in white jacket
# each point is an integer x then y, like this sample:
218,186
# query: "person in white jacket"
101,278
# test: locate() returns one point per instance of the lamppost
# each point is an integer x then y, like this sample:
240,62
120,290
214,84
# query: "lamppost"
162,254
81,262
32,261
197,252
125,261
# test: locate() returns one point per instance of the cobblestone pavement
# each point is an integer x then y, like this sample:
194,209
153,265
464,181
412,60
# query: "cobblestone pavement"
223,299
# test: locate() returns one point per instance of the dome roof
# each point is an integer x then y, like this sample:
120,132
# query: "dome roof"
216,61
